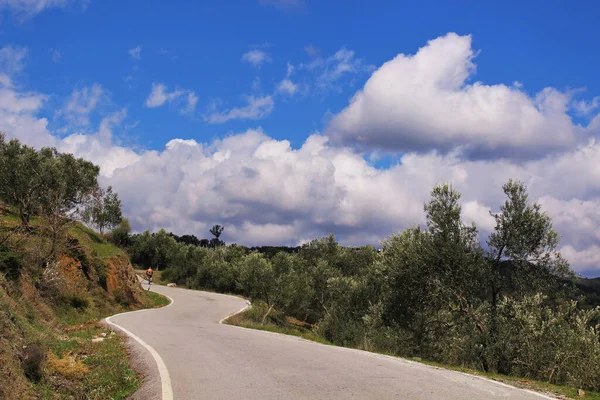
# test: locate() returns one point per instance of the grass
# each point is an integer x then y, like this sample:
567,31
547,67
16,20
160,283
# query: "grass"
76,365
154,300
95,241
252,318
278,323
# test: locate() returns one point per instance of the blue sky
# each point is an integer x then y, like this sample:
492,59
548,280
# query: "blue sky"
198,46
285,120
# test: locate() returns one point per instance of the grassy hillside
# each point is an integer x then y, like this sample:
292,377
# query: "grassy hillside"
52,345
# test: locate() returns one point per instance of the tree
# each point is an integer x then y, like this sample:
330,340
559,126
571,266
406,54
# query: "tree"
43,181
433,274
217,230
120,235
257,279
104,210
522,254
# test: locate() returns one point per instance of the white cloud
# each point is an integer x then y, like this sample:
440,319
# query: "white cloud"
477,213
256,57
159,95
24,9
82,102
257,108
287,86
11,59
584,108
423,101
192,100
338,69
587,260
184,99
266,192
312,51
256,84
136,52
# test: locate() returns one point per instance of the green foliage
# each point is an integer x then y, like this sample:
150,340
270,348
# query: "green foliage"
77,301
44,181
550,343
216,231
153,250
120,235
10,263
103,210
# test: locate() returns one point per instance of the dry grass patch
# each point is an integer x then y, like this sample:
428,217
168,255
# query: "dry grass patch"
70,366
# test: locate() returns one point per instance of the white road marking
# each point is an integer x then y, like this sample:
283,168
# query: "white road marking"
248,305
165,379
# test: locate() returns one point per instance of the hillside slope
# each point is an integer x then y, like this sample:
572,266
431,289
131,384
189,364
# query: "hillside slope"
51,344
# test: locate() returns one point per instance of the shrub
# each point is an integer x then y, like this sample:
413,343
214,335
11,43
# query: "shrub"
10,263
556,345
77,301
100,268
32,358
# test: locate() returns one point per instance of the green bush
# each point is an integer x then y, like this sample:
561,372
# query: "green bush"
100,268
10,263
554,345
77,301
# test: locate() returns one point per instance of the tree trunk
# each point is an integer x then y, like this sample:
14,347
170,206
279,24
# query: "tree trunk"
264,319
24,217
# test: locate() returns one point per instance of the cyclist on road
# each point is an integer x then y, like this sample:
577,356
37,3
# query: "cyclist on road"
149,273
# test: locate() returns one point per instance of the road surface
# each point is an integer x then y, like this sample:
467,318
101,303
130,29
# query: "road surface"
198,358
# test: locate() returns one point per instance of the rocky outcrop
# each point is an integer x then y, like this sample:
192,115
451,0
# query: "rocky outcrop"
121,280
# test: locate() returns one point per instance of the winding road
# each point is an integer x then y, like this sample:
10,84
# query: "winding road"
187,354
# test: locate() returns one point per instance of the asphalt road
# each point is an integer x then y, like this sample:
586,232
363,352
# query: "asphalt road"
202,359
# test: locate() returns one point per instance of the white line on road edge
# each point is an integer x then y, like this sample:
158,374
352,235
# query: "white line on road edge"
248,305
165,379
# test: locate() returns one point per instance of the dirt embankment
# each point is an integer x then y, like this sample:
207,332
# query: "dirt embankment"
40,309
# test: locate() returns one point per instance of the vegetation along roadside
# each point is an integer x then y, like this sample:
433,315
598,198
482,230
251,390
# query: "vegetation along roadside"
59,278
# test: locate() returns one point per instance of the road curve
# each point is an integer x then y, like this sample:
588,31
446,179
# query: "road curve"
208,360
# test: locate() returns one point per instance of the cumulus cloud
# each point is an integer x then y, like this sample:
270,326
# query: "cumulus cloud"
82,102
267,192
257,185
257,108
256,57
424,101
586,260
136,52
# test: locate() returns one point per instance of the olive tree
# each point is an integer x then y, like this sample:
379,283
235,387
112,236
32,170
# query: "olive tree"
104,210
523,256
